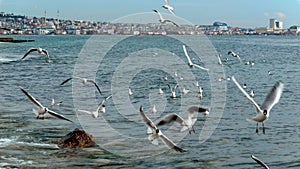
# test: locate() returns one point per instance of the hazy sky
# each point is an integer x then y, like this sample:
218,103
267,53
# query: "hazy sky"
244,13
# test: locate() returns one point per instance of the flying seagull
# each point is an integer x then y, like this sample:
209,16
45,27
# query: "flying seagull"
173,91
260,162
84,81
168,7
173,117
42,110
190,63
53,103
234,55
162,20
263,111
100,108
157,133
38,50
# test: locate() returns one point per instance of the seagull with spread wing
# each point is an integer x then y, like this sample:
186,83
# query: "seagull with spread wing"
162,20
38,50
84,81
100,108
42,109
190,63
156,133
263,111
168,7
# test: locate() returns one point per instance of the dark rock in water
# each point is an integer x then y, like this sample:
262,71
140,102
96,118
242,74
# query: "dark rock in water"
76,139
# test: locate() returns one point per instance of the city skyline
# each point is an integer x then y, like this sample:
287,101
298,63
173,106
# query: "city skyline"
234,12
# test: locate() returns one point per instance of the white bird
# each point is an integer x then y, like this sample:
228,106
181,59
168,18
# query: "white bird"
168,7
234,55
100,108
42,109
173,117
263,111
173,92
129,92
200,92
251,93
196,84
185,91
154,111
156,133
160,91
175,74
244,86
83,81
38,50
190,63
162,20
53,103
198,109
260,162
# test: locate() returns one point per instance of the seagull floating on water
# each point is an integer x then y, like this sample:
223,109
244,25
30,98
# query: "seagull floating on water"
263,111
160,91
156,133
251,93
173,92
234,55
260,162
168,7
129,92
38,50
53,103
190,63
100,108
84,81
162,20
42,109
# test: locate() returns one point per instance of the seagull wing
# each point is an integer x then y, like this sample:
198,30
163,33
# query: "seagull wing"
167,20
46,53
169,87
175,87
31,98
167,2
58,115
259,162
186,54
171,11
203,68
29,51
146,119
170,143
96,85
84,111
66,81
219,60
160,16
247,95
169,119
273,97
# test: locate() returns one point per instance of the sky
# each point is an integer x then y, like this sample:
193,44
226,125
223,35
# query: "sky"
241,13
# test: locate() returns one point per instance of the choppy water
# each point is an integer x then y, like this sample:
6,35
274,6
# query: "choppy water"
122,140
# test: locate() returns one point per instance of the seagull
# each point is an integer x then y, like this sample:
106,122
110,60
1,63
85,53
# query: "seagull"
42,110
244,86
251,93
154,111
160,91
173,117
100,108
129,92
156,133
162,20
263,111
39,50
190,63
234,55
83,81
173,92
196,84
168,7
184,90
53,103
198,109
259,162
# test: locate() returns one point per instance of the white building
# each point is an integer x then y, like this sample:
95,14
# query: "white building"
276,25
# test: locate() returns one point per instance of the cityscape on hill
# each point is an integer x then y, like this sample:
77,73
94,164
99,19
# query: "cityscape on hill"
11,24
